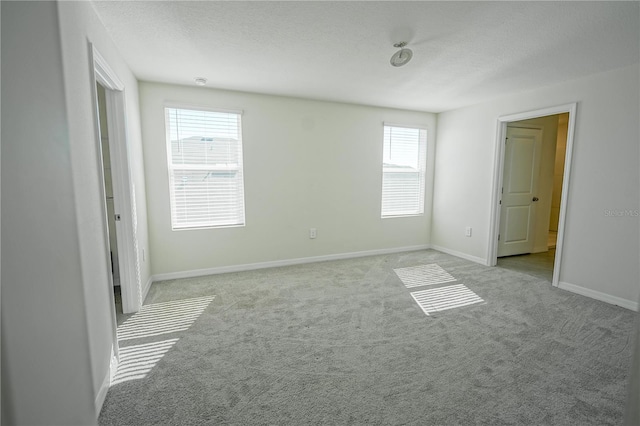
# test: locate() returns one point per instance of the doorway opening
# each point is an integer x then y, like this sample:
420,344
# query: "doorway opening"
108,193
531,190
119,225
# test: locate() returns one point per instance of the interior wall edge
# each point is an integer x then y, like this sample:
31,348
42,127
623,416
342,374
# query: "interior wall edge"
146,288
102,391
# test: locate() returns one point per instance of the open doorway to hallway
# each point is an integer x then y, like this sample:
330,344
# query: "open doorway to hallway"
109,195
531,194
120,224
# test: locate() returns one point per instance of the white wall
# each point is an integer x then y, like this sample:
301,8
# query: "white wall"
601,252
46,366
307,164
57,324
80,25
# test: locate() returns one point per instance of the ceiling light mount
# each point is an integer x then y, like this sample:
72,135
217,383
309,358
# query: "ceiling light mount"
200,81
402,56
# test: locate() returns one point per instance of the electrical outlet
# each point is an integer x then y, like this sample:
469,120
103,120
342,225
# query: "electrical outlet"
313,232
467,231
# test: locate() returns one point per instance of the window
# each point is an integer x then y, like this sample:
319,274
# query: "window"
404,162
204,154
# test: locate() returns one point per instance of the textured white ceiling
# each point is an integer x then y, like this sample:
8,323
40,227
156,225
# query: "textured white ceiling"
464,52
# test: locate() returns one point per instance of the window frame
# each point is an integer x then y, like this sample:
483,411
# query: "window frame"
171,168
422,160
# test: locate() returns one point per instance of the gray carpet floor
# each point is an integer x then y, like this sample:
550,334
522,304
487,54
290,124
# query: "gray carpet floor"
344,342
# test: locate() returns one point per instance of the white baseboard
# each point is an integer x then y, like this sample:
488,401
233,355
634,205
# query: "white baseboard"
106,383
594,294
461,255
285,262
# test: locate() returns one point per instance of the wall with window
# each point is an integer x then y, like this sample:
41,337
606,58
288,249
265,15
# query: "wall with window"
307,164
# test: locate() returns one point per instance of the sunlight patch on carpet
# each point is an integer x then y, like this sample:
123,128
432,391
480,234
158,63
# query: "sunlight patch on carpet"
136,361
443,298
416,276
163,318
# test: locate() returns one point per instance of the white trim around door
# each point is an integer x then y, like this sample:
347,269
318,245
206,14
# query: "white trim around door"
124,197
501,132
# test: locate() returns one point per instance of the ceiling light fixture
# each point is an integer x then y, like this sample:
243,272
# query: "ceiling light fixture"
200,81
402,56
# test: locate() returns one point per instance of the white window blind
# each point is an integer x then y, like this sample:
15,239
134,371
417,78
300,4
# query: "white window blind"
403,171
204,153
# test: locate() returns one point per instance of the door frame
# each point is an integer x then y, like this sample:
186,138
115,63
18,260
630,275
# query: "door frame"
501,132
124,205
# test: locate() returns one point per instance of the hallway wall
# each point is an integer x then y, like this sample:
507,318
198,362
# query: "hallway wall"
57,325
46,361
558,171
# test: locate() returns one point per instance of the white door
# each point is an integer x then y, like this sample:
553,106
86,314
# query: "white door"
108,183
519,186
